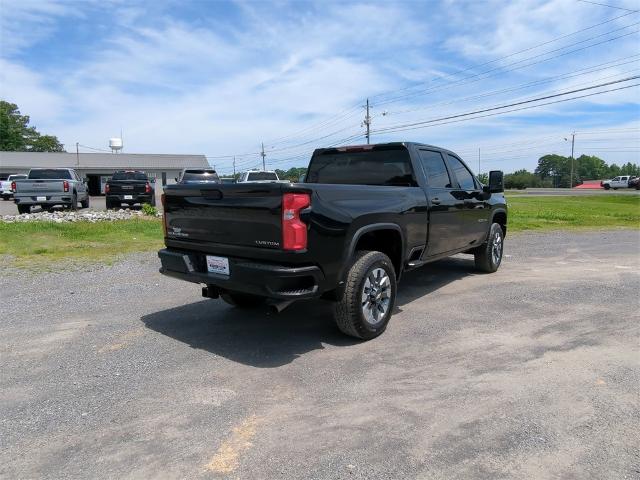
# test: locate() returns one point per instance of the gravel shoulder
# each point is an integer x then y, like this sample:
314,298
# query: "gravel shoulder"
532,372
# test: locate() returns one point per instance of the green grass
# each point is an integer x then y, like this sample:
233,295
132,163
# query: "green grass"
579,212
38,245
44,245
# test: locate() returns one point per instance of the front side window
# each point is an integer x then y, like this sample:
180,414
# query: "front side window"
462,173
435,169
367,166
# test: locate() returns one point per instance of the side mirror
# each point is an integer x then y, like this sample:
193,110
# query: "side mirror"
495,181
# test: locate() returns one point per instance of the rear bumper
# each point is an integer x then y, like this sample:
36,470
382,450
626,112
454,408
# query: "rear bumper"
265,279
135,198
57,199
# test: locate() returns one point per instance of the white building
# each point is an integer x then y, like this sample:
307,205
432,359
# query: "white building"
98,167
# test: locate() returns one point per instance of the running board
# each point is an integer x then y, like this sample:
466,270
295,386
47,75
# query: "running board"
415,264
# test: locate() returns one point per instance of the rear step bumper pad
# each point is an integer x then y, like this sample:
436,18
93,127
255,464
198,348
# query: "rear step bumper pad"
265,279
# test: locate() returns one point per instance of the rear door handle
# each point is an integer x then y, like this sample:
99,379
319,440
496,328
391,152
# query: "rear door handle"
435,201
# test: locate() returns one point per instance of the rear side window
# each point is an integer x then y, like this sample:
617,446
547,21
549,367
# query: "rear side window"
435,169
390,167
256,176
130,176
50,174
462,173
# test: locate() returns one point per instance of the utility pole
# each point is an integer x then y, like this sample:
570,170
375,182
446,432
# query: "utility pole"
234,167
367,122
263,155
573,141
77,155
478,161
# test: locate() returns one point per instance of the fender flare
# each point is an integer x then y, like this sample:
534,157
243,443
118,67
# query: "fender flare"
366,229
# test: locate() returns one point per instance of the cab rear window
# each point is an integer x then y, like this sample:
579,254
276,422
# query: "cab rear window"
383,167
50,174
129,176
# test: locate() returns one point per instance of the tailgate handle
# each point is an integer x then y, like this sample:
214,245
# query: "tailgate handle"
211,194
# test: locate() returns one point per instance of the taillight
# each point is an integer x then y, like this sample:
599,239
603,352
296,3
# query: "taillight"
164,215
147,188
65,185
294,230
106,188
13,186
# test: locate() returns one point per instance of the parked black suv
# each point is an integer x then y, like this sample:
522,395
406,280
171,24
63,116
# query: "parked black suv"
363,216
129,187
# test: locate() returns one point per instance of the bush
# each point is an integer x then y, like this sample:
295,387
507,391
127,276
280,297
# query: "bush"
149,210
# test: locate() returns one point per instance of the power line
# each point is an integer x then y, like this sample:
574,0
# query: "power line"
512,54
501,69
576,73
396,128
610,6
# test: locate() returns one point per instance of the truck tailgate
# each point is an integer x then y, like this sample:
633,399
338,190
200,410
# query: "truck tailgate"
241,214
36,187
125,187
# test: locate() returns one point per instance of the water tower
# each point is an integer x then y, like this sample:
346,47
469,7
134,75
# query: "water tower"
115,144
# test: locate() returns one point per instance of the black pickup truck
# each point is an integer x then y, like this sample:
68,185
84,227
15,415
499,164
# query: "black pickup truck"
363,216
128,187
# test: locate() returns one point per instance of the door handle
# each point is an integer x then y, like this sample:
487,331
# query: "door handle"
435,201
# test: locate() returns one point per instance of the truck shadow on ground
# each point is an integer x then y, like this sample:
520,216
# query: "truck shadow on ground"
258,338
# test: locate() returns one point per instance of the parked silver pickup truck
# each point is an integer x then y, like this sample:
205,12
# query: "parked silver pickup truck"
48,187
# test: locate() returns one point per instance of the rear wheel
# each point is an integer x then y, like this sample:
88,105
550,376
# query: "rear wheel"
85,203
242,300
488,256
369,296
74,202
607,187
24,208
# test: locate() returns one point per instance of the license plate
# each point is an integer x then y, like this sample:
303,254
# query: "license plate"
128,197
218,264
41,199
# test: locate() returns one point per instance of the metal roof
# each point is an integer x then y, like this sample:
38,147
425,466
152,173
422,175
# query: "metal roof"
101,161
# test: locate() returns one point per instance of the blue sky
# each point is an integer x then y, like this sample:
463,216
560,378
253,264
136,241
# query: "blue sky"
218,78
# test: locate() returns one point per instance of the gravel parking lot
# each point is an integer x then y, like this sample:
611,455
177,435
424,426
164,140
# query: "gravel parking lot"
532,372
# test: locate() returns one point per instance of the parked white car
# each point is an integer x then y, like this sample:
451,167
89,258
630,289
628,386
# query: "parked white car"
616,183
260,176
5,185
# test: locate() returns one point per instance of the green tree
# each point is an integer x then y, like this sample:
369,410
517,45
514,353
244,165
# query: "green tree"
292,174
590,168
17,136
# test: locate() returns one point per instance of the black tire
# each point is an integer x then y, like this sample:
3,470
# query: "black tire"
615,188
24,208
5,197
242,300
349,311
85,203
74,202
607,187
153,200
487,258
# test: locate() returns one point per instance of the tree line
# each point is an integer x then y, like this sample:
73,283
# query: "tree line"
17,136
555,171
